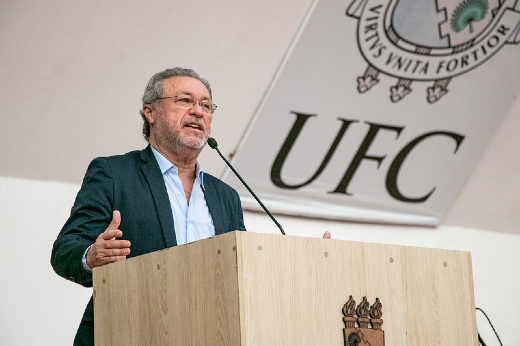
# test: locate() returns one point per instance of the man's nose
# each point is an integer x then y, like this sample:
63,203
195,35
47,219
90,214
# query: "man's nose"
197,109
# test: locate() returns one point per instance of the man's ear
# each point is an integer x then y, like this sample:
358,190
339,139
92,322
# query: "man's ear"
149,113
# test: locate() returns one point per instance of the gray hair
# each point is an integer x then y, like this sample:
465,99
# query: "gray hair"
154,90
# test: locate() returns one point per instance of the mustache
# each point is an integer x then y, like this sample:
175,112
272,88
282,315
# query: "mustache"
193,120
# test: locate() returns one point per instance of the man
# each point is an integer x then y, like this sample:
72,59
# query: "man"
148,200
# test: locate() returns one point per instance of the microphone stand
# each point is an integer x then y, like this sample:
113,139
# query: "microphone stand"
214,145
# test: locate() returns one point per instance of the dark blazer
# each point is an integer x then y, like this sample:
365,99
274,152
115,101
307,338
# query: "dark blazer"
133,184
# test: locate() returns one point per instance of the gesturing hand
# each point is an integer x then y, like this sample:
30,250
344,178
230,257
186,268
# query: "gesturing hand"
107,249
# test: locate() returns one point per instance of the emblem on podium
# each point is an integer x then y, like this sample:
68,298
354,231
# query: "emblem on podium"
363,323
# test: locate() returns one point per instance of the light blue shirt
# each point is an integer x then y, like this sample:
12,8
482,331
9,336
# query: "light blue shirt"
191,221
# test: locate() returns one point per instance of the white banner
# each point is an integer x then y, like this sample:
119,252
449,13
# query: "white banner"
359,123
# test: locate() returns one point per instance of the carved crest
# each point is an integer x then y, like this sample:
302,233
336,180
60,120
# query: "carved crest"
363,323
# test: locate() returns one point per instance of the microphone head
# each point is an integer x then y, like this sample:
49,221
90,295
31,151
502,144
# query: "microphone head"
212,143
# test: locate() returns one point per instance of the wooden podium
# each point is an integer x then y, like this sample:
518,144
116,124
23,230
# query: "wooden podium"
244,288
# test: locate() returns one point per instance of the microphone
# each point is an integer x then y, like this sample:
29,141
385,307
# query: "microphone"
213,145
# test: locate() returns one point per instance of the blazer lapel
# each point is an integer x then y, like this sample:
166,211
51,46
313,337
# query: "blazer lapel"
153,175
215,209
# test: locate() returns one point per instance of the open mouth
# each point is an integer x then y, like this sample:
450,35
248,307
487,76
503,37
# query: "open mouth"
196,126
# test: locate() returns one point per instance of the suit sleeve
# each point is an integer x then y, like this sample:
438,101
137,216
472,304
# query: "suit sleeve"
90,216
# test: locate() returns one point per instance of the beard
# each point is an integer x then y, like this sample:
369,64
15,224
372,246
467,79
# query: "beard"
174,139
181,140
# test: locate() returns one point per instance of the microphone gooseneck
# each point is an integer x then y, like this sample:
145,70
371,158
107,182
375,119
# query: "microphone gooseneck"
213,145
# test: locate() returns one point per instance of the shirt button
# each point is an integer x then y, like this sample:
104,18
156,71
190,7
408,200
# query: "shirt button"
178,193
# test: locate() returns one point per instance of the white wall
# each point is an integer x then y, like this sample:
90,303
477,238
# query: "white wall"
40,308
37,306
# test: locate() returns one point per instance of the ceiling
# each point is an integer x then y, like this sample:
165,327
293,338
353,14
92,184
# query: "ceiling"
73,73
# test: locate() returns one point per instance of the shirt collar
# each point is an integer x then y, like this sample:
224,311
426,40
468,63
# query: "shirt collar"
166,165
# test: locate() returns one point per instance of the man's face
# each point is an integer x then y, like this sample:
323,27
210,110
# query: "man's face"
175,128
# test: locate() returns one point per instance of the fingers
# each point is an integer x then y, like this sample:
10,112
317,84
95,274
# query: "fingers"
326,235
98,257
108,249
113,244
111,254
111,234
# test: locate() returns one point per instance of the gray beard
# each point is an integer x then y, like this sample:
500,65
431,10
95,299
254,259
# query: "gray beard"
175,142
182,146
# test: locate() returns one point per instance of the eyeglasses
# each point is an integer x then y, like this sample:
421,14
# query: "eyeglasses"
187,102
